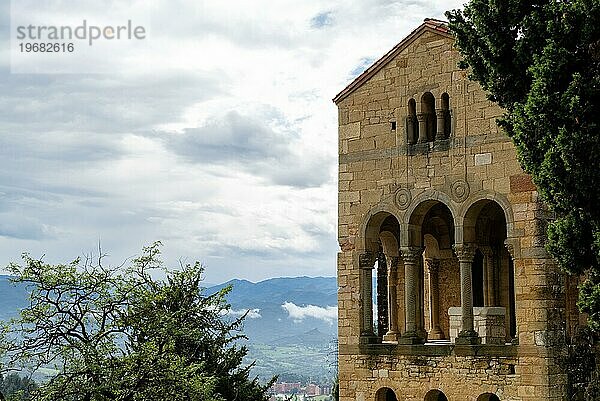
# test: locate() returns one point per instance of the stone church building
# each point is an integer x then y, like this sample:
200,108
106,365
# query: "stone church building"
445,289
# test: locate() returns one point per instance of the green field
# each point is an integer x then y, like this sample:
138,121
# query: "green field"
291,363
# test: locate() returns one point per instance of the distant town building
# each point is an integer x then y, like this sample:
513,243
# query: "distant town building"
285,388
312,389
437,215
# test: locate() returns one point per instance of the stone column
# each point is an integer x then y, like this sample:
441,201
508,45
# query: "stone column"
410,129
514,251
421,301
392,334
466,253
382,295
488,276
433,266
411,257
366,262
441,124
422,118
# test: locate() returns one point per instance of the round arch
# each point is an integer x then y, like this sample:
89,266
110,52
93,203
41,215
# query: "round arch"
435,395
488,397
420,208
428,113
487,224
467,211
380,232
430,195
432,247
389,242
369,228
385,394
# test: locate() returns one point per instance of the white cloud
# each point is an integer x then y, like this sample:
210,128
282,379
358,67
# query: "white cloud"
250,313
156,150
299,313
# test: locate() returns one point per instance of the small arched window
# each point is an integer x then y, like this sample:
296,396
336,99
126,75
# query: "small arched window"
428,119
385,394
412,127
435,395
488,397
446,113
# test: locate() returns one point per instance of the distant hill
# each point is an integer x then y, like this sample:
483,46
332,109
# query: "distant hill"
270,296
290,327
13,298
314,337
320,291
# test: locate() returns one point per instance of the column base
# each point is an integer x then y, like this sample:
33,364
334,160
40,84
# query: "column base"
468,337
411,338
436,334
391,337
368,339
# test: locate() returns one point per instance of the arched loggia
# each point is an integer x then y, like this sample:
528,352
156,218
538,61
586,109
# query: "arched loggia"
427,258
485,230
381,235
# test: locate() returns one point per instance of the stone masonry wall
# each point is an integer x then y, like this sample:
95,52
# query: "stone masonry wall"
379,170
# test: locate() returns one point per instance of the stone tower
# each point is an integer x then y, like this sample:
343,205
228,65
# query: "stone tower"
445,289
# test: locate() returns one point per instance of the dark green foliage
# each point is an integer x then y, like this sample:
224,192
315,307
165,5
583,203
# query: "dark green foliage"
14,387
123,335
540,61
580,362
335,391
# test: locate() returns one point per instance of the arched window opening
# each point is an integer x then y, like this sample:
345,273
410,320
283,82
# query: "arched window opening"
432,225
488,397
379,273
427,118
412,126
385,394
493,287
435,395
445,112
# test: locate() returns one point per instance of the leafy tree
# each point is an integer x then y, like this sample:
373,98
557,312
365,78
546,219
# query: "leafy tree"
335,391
540,61
16,388
580,363
120,334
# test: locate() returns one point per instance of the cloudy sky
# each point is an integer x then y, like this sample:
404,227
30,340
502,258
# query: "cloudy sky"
217,135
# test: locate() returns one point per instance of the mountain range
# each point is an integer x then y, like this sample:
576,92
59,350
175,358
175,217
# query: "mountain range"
290,325
284,307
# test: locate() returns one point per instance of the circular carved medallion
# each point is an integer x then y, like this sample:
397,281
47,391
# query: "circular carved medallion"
460,190
403,198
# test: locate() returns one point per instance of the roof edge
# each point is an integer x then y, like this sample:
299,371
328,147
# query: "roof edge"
429,24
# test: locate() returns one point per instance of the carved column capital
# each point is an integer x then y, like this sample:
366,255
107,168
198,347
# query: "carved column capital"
366,260
464,252
411,254
510,243
422,117
411,118
392,263
440,113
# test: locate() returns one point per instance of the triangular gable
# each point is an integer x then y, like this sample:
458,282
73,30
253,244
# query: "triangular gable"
429,25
